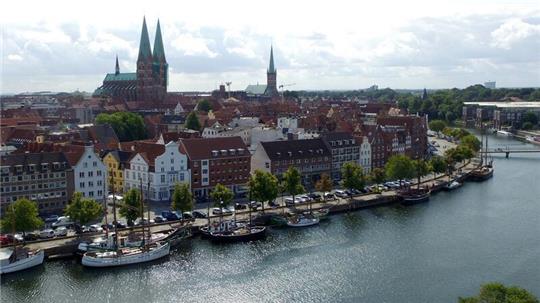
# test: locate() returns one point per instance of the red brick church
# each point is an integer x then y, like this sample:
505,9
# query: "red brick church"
150,81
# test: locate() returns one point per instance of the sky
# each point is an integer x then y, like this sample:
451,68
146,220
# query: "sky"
71,45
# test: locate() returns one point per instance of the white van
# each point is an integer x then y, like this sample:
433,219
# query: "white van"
62,221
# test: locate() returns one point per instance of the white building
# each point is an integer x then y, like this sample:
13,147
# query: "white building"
365,155
158,167
290,123
89,173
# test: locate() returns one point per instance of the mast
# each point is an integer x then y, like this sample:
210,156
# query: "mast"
148,207
142,212
115,222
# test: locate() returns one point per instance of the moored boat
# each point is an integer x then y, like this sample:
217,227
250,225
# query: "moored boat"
242,234
302,221
16,259
126,256
533,140
481,174
504,133
415,196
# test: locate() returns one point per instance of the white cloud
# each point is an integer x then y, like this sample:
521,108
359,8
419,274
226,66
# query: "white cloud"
512,31
15,57
193,46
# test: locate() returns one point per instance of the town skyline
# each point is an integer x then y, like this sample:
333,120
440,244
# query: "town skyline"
406,47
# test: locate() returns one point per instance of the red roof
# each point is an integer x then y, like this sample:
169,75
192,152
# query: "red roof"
202,148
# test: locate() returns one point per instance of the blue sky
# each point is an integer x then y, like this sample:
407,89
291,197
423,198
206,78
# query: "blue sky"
63,46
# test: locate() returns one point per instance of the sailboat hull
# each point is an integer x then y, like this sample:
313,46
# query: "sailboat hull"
112,259
23,264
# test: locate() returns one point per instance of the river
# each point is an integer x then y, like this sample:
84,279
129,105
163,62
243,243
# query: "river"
432,252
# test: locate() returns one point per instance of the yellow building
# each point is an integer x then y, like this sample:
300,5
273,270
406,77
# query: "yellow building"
115,162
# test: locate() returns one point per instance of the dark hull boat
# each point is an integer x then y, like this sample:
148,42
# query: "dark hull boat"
244,234
415,196
481,174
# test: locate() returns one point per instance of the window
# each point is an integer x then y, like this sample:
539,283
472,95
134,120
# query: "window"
98,173
81,185
90,174
162,178
90,193
94,164
90,184
81,174
85,165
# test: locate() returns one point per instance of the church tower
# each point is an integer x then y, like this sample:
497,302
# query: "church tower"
117,67
160,67
145,80
271,77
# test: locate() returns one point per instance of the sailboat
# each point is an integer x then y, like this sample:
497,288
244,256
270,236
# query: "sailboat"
128,255
485,171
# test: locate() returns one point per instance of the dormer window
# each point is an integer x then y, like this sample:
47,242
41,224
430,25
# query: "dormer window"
232,151
44,166
18,168
215,153
223,152
240,151
31,167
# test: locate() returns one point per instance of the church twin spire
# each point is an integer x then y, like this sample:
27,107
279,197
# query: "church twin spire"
145,52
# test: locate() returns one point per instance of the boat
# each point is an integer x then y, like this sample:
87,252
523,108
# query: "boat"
302,221
321,213
415,195
242,234
452,185
126,256
533,139
14,259
504,133
481,174
270,219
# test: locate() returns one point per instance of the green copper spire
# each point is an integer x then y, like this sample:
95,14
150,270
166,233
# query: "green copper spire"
271,68
117,67
159,52
144,47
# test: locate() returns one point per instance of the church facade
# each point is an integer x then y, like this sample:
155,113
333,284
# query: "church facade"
149,82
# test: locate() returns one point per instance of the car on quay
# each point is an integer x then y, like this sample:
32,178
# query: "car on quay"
171,215
199,214
217,211
61,231
46,233
315,196
143,221
159,219
95,228
187,215
329,196
254,205
63,221
31,237
51,219
340,193
240,206
273,204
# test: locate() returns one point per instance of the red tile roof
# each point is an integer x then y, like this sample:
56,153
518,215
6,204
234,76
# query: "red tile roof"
202,148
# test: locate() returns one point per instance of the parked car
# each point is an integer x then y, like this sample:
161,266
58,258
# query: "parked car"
315,196
46,233
240,206
199,214
159,219
171,215
61,231
95,228
51,219
187,215
340,193
63,221
30,237
228,210
143,221
216,211
254,205
329,196
355,191
108,226
289,201
273,203
120,224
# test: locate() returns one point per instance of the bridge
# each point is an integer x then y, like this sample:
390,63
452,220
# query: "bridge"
508,150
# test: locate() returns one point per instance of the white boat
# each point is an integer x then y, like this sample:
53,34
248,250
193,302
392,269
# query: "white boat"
504,133
302,221
101,244
534,140
22,258
452,185
126,256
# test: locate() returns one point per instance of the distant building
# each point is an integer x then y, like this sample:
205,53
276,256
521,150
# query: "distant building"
490,84
149,82
89,172
45,178
268,91
344,149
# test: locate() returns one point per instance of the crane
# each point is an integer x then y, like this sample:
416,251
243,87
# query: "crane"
282,86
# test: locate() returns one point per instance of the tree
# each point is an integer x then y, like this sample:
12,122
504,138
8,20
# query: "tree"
182,199
131,208
437,125
292,182
421,168
204,105
192,122
438,164
378,175
527,125
399,167
221,195
530,117
498,293
263,187
83,210
352,176
21,216
127,126
472,142
450,117
457,154
324,184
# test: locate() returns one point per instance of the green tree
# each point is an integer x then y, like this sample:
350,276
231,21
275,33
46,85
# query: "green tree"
131,208
83,210
127,126
437,125
292,182
399,167
182,199
438,164
527,125
263,187
192,122
472,142
352,176
421,168
377,175
530,117
457,154
21,216
204,105
324,184
220,194
498,293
